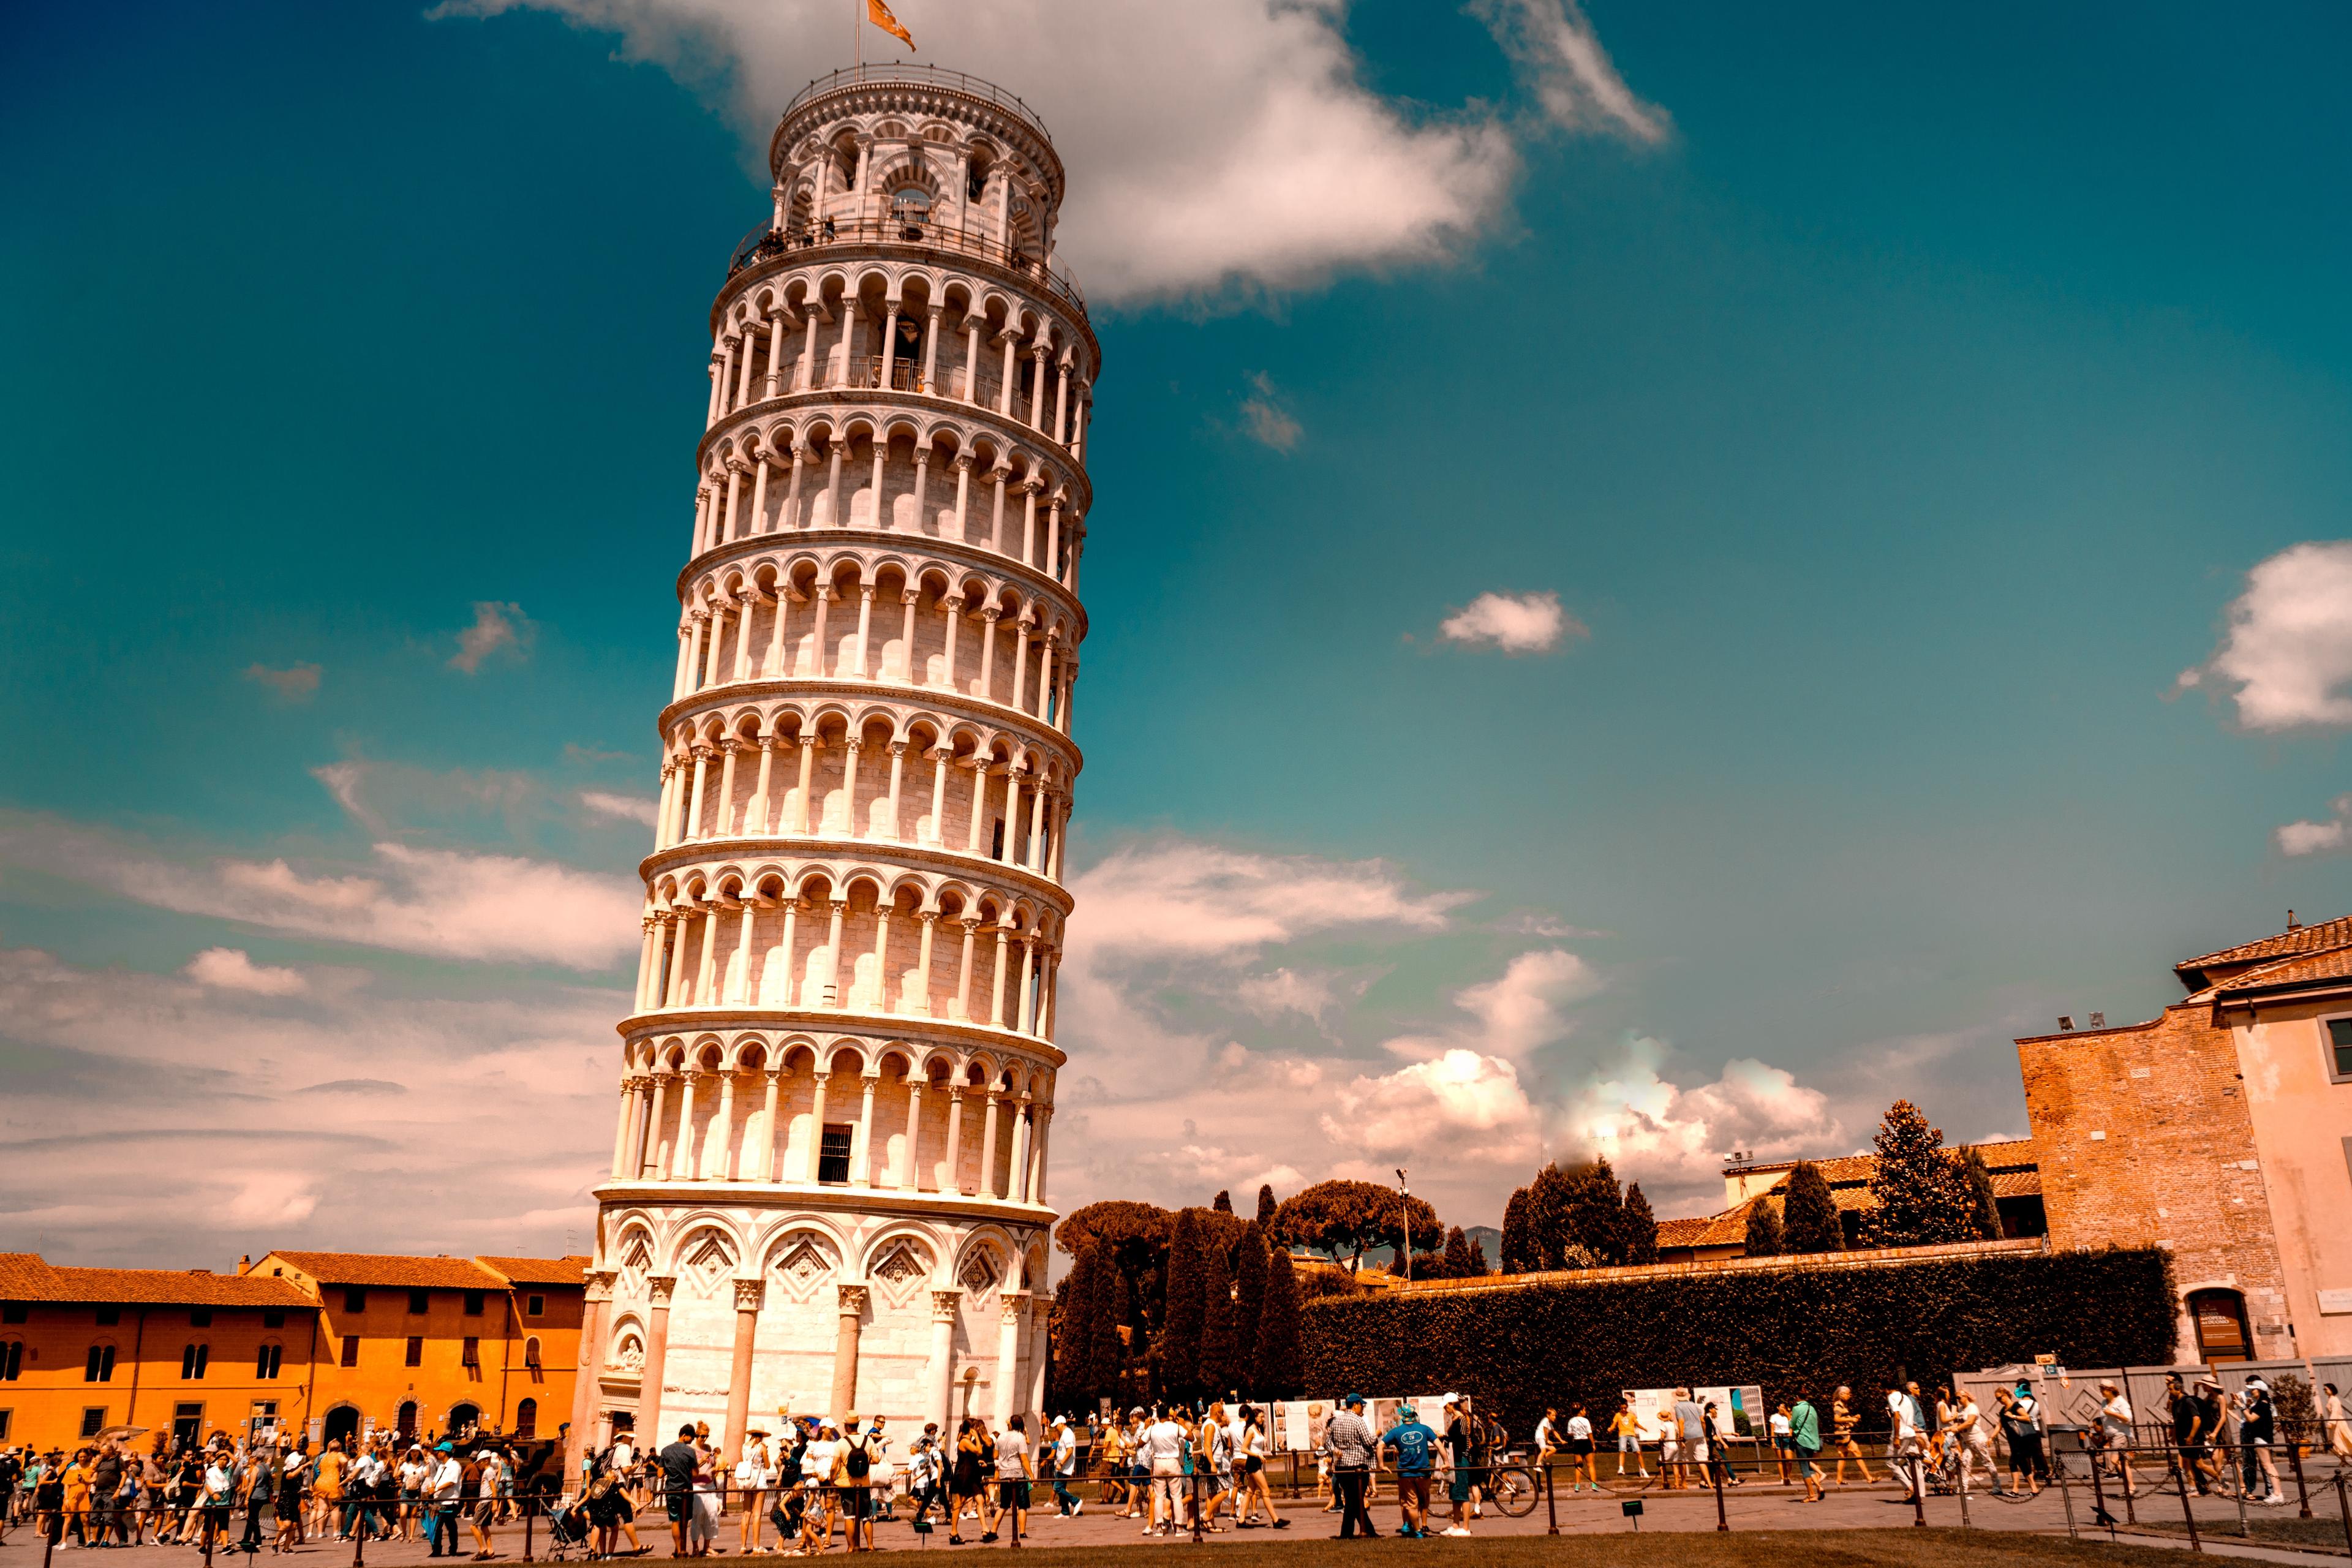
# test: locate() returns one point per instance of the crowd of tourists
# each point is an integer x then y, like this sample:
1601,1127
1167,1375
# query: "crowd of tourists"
269,1490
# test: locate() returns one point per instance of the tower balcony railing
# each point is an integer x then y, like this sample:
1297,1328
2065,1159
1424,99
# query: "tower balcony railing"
920,76
908,228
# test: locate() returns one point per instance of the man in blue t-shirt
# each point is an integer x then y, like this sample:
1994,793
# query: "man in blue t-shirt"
1414,1444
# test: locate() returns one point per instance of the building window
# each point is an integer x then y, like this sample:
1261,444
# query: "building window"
473,1302
833,1154
93,1420
273,1319
100,1367
193,1359
526,1419
3,1423
200,1317
351,1356
530,1352
355,1299
472,1354
108,1317
2339,1050
534,1306
13,1311
266,1362
187,1424
2219,1317
11,1360
418,1301
416,1350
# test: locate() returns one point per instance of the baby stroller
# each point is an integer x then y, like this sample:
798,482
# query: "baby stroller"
567,1529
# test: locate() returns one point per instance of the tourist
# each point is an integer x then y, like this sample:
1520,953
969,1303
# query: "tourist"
1458,1481
1163,1448
1686,1432
2257,1428
1907,1451
1413,1447
2180,1414
1626,1428
1260,1450
1065,1466
1546,1437
1974,1433
1784,1447
1842,1426
1805,1444
2338,1423
678,1462
964,1479
2021,1429
1579,1452
293,1481
2115,1430
1014,1474
1349,1440
444,1494
327,1487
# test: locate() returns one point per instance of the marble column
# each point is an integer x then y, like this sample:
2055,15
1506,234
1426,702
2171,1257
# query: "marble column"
845,1351
658,1287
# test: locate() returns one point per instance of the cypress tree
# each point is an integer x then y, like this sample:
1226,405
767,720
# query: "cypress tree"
1251,1263
1548,1197
1280,1370
1106,1353
1457,1255
1073,1304
1809,1214
1266,1206
1219,1373
1922,1198
1478,1265
1641,1228
1519,1252
1764,1230
1224,1204
1984,1205
1181,1319
1593,1213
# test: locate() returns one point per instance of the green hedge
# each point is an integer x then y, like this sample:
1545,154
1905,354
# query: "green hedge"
1787,1330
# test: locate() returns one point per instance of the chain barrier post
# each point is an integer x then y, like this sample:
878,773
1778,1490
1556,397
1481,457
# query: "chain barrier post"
1918,1490
2188,1483
2099,1514
1715,1470
2302,1492
2243,1459
527,1501
2343,1513
1192,1491
1552,1495
2066,1492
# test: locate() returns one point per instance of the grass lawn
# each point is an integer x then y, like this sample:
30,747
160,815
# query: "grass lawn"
2327,1533
1813,1547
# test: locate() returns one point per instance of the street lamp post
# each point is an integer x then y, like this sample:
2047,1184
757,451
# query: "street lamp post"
1406,1193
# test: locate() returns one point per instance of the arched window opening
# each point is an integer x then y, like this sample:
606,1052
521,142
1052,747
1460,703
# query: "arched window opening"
530,1352
192,1361
266,1361
527,1417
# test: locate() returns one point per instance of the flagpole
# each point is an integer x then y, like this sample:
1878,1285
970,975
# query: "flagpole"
856,36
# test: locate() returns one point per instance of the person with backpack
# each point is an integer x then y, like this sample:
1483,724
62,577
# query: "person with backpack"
1415,1447
859,1449
1014,1474
1805,1444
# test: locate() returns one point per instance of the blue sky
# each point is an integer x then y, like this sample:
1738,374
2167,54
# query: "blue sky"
1895,402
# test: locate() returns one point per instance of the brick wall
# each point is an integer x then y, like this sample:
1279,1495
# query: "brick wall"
2144,1138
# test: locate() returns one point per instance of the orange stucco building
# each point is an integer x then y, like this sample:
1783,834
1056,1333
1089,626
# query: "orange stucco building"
325,1342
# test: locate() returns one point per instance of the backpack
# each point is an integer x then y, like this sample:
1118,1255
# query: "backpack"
857,1462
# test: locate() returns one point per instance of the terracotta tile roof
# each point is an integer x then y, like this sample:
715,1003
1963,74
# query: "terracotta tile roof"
2327,934
390,1269
2005,1154
27,1277
539,1271
2332,965
1682,1232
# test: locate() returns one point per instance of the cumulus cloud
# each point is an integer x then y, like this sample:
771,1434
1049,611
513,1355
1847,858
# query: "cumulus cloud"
1269,424
1469,1105
446,903
1515,623
295,683
336,1122
231,969
628,808
1288,991
1552,45
1212,144
496,628
1630,1112
2299,838
2285,658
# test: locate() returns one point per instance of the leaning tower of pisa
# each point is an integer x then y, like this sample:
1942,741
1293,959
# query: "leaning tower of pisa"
828,1183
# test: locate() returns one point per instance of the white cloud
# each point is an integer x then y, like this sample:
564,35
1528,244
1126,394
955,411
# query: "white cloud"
447,903
1269,424
1648,1125
1552,44
1543,923
2298,838
1181,896
1515,623
222,1086
629,807
231,969
1460,1107
295,683
1288,991
496,627
2286,657
1210,144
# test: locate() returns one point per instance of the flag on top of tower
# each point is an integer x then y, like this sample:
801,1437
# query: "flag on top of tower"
880,15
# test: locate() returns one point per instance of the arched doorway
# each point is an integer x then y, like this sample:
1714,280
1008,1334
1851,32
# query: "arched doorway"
527,1418
342,1421
463,1418
2219,1317
408,1423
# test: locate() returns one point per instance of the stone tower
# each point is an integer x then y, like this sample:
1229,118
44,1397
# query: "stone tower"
828,1178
